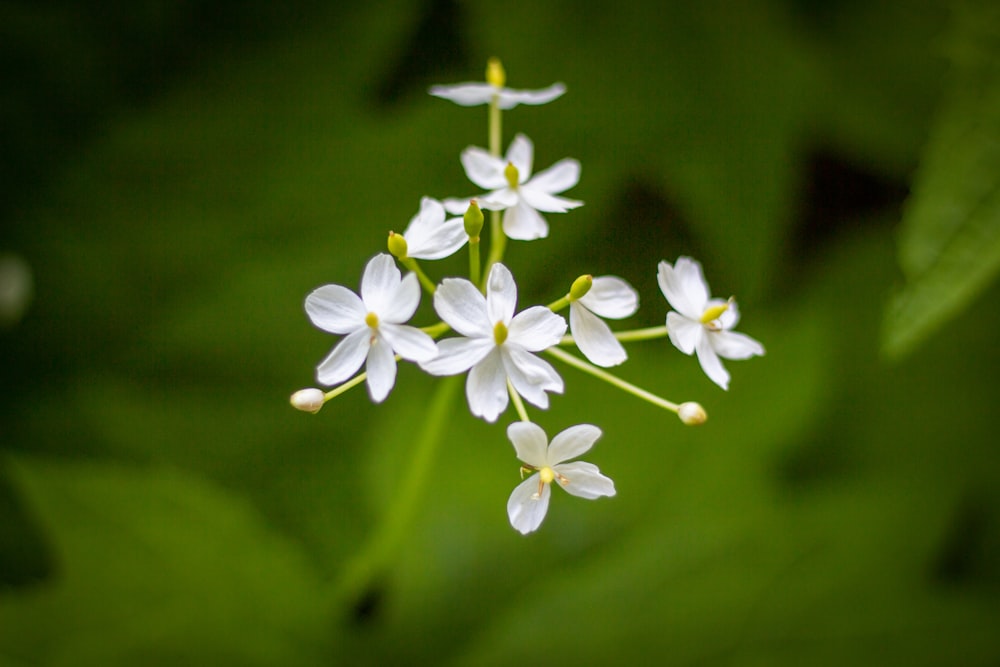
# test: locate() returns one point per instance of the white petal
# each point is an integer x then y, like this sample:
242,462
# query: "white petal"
594,337
542,201
585,480
561,176
526,510
381,368
523,223
442,241
423,224
463,307
530,376
457,355
510,98
466,94
409,342
611,297
684,286
335,309
730,317
501,295
486,387
498,200
572,442
536,328
345,359
530,443
711,364
520,153
684,333
733,345
483,169
380,284
401,302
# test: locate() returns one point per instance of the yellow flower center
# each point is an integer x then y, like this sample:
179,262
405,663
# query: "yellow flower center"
711,314
371,319
511,174
495,74
500,333
547,474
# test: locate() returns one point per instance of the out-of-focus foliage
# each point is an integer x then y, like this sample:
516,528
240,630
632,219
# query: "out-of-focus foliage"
950,236
160,502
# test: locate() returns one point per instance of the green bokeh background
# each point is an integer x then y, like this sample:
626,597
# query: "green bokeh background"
179,176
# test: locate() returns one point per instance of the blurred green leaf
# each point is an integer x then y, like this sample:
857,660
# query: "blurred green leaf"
156,567
950,235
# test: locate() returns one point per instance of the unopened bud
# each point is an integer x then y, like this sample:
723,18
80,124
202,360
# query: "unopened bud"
495,74
581,286
308,400
397,245
473,220
692,413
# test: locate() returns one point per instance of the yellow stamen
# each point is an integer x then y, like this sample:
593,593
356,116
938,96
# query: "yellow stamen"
495,74
512,175
500,333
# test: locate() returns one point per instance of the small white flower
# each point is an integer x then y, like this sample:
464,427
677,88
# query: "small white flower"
430,236
610,297
513,190
373,324
701,324
530,499
472,94
495,344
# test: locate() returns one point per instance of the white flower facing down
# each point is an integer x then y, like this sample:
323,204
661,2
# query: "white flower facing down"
703,325
474,94
530,499
495,344
430,236
514,191
373,324
609,297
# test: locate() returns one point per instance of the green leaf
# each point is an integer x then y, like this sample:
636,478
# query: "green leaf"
155,567
950,236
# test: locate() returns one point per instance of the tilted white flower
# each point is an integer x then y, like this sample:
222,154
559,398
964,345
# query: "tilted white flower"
472,94
430,236
373,324
514,191
530,499
703,325
495,344
609,297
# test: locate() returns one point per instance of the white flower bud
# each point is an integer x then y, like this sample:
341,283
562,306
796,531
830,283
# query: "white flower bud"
692,413
308,400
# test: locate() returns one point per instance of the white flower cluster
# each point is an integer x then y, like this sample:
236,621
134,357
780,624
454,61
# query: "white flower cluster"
495,343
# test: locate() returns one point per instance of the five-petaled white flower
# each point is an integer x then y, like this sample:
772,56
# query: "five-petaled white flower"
374,326
530,499
701,324
473,94
495,344
430,236
514,191
610,297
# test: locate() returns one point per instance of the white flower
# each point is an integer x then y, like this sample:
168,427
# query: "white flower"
472,94
701,324
610,297
514,191
373,324
430,236
530,499
495,344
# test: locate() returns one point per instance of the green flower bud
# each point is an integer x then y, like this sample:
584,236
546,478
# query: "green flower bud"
580,287
473,220
397,245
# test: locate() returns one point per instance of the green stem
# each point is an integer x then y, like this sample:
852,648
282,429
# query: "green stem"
383,544
611,379
515,398
474,268
498,240
651,333
428,284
